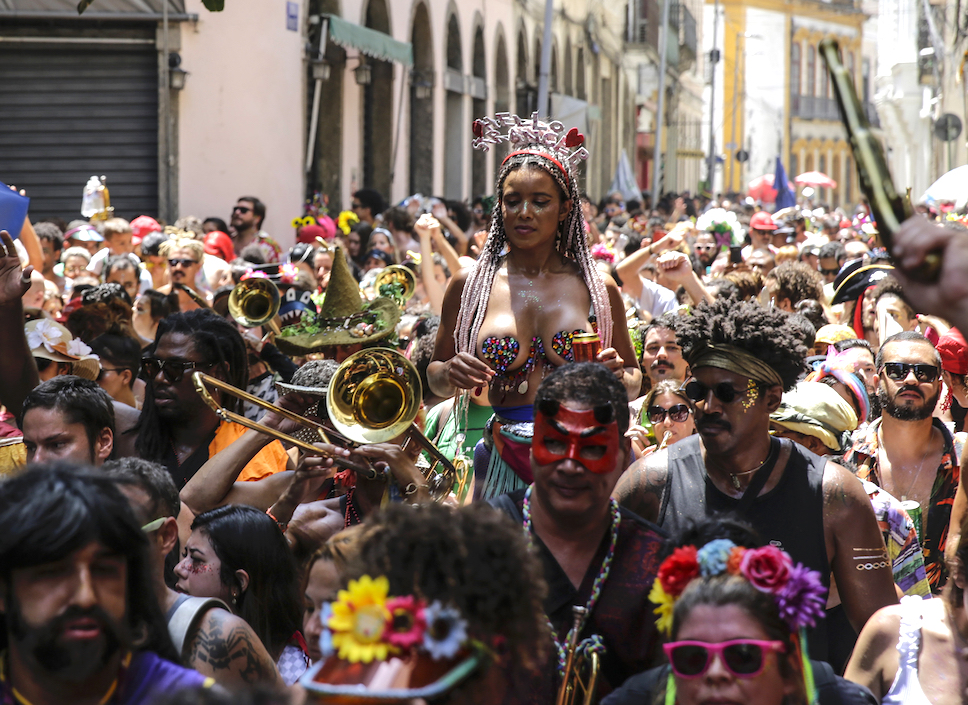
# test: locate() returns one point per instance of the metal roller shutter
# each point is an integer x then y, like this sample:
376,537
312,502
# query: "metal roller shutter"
68,111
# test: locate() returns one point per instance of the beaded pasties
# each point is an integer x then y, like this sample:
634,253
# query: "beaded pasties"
501,353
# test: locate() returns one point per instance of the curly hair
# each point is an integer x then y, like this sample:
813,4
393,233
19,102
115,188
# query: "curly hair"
93,320
748,281
474,557
796,281
891,286
766,333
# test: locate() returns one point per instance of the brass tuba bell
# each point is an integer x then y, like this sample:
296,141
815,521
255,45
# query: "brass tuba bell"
396,274
255,302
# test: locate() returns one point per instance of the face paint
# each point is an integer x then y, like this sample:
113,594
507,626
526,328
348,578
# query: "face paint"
198,568
577,435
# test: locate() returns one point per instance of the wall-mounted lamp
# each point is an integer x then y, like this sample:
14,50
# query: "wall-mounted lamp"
176,74
364,74
422,81
321,69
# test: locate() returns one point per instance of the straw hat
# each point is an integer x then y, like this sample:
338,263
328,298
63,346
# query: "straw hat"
52,341
345,317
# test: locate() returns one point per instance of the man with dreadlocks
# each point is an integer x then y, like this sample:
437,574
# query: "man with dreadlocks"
177,428
511,319
743,357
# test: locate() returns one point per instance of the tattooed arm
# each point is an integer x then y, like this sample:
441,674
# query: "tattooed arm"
641,486
855,547
225,648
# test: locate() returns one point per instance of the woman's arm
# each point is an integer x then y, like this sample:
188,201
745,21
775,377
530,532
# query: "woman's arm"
451,370
874,662
620,358
425,229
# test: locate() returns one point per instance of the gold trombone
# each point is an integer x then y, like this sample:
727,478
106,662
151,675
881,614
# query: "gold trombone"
374,396
255,302
572,685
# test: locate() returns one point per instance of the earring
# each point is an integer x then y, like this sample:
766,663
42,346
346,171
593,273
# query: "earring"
946,402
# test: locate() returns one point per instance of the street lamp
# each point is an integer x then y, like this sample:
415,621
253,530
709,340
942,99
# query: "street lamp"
732,137
364,74
176,74
321,69
422,81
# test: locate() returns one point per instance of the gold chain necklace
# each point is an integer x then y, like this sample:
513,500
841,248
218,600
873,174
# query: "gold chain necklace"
880,447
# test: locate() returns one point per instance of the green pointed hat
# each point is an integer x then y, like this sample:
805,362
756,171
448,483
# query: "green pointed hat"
345,317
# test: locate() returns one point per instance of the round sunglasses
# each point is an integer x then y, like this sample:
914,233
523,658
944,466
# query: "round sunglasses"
677,413
744,658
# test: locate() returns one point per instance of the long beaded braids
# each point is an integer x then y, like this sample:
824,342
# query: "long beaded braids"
571,243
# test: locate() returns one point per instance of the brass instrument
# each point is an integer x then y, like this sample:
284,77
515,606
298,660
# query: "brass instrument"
191,293
375,396
203,381
396,274
255,302
572,685
887,206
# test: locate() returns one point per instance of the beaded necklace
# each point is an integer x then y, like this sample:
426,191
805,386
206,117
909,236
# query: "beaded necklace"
593,642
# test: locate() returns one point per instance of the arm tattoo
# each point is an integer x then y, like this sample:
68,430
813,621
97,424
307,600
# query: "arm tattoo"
230,648
641,487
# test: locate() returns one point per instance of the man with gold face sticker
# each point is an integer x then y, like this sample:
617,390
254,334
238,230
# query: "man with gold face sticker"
595,554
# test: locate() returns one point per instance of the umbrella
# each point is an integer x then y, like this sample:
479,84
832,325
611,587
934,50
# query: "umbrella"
761,188
953,186
816,178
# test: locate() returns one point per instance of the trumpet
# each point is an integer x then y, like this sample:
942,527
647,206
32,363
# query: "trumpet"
575,662
255,302
399,275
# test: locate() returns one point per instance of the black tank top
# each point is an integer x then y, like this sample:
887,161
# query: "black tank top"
790,516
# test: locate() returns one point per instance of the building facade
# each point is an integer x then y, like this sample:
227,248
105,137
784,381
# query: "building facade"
280,99
775,97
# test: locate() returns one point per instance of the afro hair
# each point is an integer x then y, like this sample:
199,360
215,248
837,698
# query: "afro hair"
768,334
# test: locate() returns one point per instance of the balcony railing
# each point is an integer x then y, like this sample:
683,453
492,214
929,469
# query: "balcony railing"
687,36
812,107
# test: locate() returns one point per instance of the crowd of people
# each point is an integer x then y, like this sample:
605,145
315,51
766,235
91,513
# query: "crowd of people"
526,450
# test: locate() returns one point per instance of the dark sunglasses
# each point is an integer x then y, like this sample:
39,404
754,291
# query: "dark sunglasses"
744,658
182,262
174,370
677,413
827,272
697,391
242,209
43,363
898,371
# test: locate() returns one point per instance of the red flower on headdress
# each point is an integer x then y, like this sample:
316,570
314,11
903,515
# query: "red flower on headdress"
574,138
678,570
767,567
478,129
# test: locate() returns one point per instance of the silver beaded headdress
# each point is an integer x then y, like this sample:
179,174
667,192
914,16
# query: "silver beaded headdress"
550,138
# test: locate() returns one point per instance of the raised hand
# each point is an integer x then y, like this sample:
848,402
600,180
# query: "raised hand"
14,280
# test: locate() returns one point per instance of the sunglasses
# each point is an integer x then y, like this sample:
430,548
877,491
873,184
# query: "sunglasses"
174,370
181,262
242,209
744,658
697,391
898,371
828,272
43,363
677,413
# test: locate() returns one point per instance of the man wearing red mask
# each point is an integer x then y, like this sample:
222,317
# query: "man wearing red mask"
595,554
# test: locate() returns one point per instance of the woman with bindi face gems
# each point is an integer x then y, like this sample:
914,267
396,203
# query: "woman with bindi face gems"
514,316
239,555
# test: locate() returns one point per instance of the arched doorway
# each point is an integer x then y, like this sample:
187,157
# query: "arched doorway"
422,105
479,70
522,87
378,109
568,88
454,138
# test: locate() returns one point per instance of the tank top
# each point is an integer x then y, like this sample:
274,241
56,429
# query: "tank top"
790,516
906,688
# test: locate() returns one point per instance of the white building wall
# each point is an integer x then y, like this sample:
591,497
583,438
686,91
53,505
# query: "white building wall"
240,121
766,87
708,42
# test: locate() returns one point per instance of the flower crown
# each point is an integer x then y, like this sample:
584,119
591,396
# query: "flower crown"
367,624
724,225
798,590
548,138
